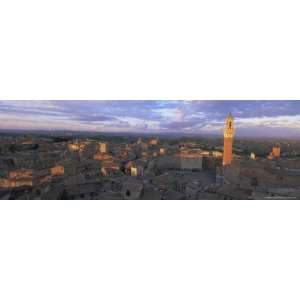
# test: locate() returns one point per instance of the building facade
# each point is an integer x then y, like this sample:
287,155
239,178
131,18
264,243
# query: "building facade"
276,151
103,147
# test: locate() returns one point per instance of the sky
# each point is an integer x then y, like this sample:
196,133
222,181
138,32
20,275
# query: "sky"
252,118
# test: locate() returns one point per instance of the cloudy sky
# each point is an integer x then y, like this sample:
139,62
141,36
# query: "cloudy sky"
252,118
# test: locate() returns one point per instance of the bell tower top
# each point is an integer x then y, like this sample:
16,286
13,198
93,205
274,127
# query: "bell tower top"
229,130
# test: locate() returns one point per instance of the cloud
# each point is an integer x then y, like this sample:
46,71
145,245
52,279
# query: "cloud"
153,116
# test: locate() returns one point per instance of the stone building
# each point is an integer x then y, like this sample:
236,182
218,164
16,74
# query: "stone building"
103,147
162,151
153,142
276,151
17,178
57,170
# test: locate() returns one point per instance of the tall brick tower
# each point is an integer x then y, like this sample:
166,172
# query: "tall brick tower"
228,140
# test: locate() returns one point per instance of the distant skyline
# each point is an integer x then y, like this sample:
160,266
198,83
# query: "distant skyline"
252,118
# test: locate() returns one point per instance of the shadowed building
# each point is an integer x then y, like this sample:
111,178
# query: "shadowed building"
228,140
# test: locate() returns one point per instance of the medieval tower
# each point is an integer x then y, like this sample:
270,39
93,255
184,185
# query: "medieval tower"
228,140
